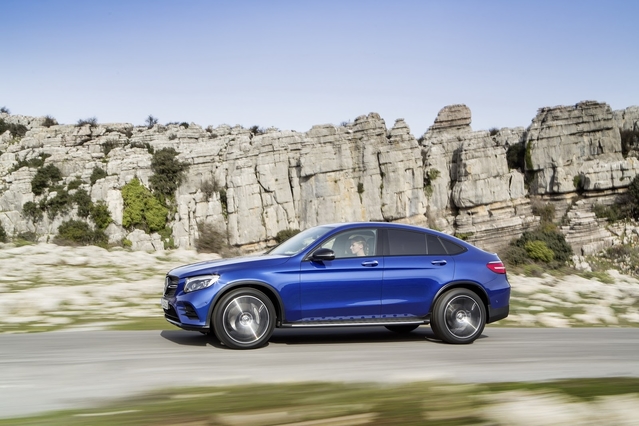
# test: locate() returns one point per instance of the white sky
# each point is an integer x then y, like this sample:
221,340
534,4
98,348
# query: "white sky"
292,64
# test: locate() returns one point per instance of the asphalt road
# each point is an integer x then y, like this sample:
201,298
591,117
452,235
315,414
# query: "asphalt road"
52,371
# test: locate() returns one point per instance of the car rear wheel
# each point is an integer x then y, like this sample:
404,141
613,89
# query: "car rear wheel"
244,319
459,316
402,329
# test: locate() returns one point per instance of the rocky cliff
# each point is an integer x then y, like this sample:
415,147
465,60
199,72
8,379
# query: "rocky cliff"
253,183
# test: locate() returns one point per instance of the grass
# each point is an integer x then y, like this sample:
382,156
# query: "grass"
408,404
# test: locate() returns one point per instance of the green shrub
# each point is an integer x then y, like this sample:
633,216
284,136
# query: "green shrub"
108,146
493,131
141,209
633,198
256,130
168,173
49,121
74,184
60,203
16,130
92,121
79,232
83,200
554,240
44,177
30,237
3,234
144,145
30,210
360,188
611,213
35,162
5,110
546,212
97,174
514,255
151,121
537,250
100,215
210,239
285,234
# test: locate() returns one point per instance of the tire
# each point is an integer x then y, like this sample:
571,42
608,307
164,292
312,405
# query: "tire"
402,329
244,319
458,317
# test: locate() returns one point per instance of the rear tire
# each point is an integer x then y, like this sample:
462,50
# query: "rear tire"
402,329
458,316
244,319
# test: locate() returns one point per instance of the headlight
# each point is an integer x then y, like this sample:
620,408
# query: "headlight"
198,283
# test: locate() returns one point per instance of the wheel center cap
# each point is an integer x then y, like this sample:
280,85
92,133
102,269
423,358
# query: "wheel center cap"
245,319
461,316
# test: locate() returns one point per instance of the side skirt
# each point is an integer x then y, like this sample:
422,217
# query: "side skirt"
355,323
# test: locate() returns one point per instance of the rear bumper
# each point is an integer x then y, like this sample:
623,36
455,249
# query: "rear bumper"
496,314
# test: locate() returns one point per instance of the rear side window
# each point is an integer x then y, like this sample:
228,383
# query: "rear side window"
435,246
406,243
451,247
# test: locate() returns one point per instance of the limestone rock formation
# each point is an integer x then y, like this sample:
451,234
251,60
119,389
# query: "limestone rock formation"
249,184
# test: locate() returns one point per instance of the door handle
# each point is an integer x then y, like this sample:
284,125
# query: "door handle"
370,263
438,262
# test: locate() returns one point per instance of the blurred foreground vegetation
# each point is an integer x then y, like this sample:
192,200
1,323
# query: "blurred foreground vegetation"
348,404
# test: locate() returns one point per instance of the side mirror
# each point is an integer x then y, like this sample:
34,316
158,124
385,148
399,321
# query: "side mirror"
323,254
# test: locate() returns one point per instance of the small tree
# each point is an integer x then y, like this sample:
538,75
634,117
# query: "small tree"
151,121
3,234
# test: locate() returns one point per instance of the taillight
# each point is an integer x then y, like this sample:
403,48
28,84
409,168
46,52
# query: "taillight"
497,266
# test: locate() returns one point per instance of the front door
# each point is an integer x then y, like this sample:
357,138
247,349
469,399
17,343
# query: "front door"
347,288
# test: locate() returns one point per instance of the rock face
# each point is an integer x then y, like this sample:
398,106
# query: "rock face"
250,184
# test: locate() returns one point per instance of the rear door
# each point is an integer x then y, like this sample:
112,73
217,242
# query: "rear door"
416,265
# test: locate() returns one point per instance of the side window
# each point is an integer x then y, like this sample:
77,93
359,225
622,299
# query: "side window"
353,243
406,243
451,247
435,246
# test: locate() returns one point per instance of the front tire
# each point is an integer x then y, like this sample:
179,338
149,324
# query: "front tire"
458,317
244,319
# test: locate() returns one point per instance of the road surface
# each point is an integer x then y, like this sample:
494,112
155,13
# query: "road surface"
51,371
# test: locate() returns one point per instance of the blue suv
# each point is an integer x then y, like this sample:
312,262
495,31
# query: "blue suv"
354,274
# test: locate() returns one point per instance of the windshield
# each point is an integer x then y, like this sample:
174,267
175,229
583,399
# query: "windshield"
299,242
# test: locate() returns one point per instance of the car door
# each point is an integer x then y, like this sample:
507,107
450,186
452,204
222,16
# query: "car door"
416,265
346,288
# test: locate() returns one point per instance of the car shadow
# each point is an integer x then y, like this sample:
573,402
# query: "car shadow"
348,335
191,338
313,336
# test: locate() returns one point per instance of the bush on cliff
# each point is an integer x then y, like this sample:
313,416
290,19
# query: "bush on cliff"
141,209
16,130
168,173
78,232
45,177
3,234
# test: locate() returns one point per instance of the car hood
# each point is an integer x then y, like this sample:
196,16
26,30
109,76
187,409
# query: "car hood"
223,265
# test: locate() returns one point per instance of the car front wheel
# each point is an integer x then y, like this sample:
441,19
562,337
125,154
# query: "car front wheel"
244,319
459,316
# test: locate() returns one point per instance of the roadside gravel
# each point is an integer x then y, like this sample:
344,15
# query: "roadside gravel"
47,287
